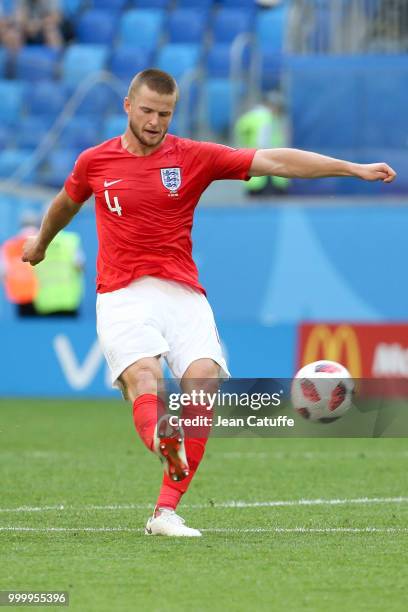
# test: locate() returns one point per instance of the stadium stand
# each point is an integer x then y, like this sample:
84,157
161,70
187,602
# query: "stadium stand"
80,60
11,96
178,59
161,4
229,23
114,125
109,5
58,166
96,27
11,159
46,98
2,63
218,61
32,130
126,61
219,115
141,28
202,4
186,26
199,38
37,62
71,7
101,100
82,132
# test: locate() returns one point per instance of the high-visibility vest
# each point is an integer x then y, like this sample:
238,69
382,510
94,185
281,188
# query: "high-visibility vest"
20,280
60,280
259,128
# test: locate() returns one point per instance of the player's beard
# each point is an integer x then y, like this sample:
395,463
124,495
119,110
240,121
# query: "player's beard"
139,136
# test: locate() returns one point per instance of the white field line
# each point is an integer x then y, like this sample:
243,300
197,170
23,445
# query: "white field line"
328,530
309,454
228,504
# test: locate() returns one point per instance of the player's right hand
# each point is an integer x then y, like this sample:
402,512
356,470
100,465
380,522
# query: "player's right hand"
33,252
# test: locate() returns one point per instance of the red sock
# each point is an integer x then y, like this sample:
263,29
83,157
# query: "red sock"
171,492
145,414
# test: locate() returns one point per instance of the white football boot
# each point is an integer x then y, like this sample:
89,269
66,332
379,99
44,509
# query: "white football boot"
166,522
168,444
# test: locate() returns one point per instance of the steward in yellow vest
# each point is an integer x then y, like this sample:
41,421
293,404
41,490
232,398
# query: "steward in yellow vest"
60,277
264,127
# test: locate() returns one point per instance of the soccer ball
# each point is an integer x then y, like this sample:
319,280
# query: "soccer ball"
322,391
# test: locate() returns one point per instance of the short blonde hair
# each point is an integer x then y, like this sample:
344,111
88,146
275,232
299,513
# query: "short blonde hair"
157,80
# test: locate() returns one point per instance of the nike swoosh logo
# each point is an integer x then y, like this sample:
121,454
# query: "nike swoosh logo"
109,183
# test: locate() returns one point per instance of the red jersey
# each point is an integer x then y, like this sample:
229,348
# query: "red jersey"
145,204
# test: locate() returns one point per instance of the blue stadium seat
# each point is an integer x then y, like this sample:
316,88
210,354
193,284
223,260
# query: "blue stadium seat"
2,63
71,7
186,26
219,60
248,4
270,28
178,59
81,133
174,127
11,96
201,4
229,23
6,137
8,7
100,100
82,60
271,63
114,126
37,62
109,5
127,61
31,131
11,159
46,98
141,28
96,27
187,114
58,166
221,96
150,4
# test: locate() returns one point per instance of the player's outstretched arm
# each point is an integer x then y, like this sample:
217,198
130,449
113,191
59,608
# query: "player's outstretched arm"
62,209
293,163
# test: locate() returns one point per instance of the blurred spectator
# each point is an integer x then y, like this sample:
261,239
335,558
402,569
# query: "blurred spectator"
42,22
10,39
263,127
60,277
20,279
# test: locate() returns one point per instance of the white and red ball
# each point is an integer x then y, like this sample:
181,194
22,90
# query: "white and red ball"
322,391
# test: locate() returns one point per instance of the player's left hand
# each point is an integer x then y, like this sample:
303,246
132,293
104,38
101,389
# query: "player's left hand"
376,172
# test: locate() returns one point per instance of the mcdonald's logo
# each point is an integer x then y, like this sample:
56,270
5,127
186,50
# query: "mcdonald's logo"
337,343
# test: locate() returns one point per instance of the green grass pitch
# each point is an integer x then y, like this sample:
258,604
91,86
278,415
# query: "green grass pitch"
74,475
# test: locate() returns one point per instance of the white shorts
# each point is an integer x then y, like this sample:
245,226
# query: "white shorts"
154,316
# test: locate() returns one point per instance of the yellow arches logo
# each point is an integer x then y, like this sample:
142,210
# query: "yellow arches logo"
337,344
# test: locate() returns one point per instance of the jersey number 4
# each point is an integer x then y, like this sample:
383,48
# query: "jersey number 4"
116,208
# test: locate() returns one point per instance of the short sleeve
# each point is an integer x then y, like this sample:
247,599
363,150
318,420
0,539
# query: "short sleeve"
226,162
76,185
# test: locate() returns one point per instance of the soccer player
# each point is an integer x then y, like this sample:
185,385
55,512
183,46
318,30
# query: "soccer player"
150,304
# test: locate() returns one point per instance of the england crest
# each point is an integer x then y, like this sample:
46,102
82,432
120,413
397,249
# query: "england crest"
171,178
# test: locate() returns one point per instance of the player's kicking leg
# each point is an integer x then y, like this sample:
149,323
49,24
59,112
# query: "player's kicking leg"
140,382
201,374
